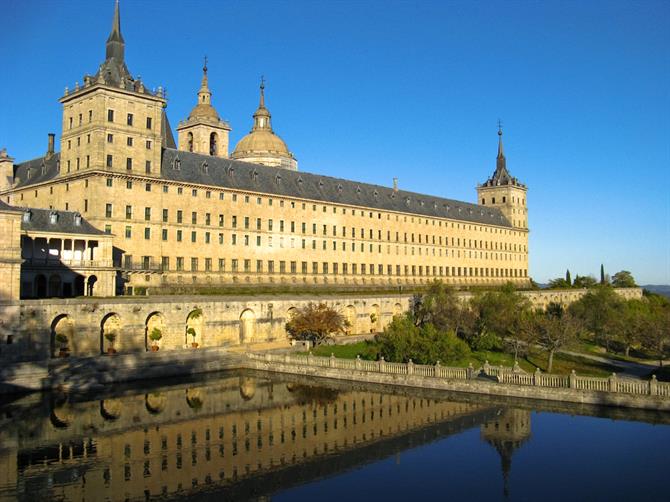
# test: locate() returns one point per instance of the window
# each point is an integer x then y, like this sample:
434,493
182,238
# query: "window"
129,212
129,232
148,144
208,219
147,187
129,141
147,233
108,229
180,263
109,161
129,184
165,215
207,237
194,192
208,264
147,167
246,222
110,115
179,235
129,164
194,218
129,120
109,182
194,236
164,234
108,210
194,264
148,122
147,214
179,215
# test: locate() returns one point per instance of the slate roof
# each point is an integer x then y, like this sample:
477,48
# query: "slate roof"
214,171
40,221
239,175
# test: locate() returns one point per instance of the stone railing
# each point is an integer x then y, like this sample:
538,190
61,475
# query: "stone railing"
500,374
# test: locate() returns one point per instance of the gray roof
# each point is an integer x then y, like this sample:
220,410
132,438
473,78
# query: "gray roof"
40,221
239,175
203,169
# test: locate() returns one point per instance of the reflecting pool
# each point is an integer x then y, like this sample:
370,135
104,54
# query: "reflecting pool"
240,436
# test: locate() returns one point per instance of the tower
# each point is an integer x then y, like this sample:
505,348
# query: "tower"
112,121
262,145
505,192
203,131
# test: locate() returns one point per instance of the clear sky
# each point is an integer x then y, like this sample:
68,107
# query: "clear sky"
369,90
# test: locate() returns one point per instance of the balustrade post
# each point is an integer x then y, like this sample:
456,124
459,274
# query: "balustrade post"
537,376
470,372
613,383
357,364
410,367
516,368
382,365
310,358
436,369
653,386
487,367
573,380
332,360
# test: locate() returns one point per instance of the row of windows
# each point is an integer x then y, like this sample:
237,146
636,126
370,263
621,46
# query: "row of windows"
324,268
504,200
130,119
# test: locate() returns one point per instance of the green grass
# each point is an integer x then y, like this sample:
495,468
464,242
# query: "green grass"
563,363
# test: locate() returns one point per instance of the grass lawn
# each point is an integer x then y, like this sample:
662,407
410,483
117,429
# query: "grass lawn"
563,363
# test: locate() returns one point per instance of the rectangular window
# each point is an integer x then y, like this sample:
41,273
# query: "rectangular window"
110,115
194,264
234,221
148,122
194,218
233,264
165,263
129,184
148,144
129,232
179,215
180,263
147,214
222,264
247,265
165,215
129,141
108,229
208,219
147,233
293,267
194,236
129,212
108,210
129,120
109,161
259,265
109,182
178,235
208,264
271,266
303,267
220,220
164,234
246,222
147,167
129,164
207,237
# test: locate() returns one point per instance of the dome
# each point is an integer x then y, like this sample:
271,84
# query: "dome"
261,141
203,110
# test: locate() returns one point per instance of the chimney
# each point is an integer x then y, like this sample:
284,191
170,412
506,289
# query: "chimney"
395,184
50,144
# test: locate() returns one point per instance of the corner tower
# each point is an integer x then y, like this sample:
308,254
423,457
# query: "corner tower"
505,192
203,131
112,121
262,145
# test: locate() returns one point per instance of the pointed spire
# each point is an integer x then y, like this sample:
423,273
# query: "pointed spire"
204,94
501,163
115,43
262,101
262,116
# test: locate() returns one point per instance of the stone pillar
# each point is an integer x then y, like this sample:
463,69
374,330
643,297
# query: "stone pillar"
382,365
487,367
410,367
470,372
436,369
358,362
613,383
537,377
332,360
653,386
573,379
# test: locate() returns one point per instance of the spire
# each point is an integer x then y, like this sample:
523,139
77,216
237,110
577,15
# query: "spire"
115,44
262,115
501,164
204,94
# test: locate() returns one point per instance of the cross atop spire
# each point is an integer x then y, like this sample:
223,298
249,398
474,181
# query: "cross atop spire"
115,43
501,154
204,68
262,102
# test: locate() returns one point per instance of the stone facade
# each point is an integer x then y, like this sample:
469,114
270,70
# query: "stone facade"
28,330
256,225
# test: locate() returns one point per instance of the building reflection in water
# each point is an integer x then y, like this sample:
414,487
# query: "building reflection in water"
235,434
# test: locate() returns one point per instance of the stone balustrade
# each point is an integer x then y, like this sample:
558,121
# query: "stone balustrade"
499,374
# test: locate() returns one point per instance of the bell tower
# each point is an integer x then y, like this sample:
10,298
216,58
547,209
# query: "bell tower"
112,121
203,131
505,192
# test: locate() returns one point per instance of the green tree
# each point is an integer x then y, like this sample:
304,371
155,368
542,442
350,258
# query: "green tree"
584,282
555,329
559,283
316,323
498,320
623,279
596,310
602,274
441,307
656,338
568,279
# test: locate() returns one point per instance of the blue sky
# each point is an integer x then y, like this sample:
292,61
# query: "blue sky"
369,90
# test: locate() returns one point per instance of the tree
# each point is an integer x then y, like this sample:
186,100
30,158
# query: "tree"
656,338
596,310
316,323
403,340
623,279
584,282
559,283
555,329
498,320
440,306
602,274
568,279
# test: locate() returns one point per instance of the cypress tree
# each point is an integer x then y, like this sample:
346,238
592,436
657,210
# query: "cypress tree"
602,274
568,279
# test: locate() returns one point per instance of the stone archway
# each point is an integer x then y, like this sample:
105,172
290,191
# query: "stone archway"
62,332
110,331
397,309
350,317
247,326
194,325
90,285
153,327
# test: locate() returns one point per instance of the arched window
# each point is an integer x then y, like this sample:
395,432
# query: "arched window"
189,140
213,143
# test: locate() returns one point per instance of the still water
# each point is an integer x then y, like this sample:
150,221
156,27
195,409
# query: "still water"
255,436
